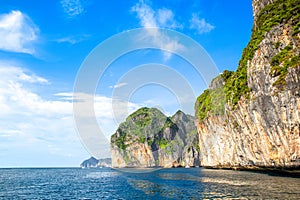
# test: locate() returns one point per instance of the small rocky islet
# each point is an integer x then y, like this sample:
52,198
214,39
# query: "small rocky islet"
93,162
148,138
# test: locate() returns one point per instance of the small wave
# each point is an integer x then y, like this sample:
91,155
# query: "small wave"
227,182
98,175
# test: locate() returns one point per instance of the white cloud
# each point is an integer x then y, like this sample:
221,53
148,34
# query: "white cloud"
15,94
161,18
118,85
8,72
72,7
17,32
105,108
108,110
145,14
27,120
166,19
200,25
30,122
149,18
72,39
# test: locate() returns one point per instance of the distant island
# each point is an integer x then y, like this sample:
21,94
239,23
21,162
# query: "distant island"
96,163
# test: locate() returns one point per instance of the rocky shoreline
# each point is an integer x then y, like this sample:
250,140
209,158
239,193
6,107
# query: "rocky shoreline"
293,172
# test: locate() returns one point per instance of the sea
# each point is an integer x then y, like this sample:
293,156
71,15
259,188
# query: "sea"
175,183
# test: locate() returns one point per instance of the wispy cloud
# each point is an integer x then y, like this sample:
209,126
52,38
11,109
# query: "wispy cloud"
73,39
161,18
200,25
118,85
15,73
166,18
17,33
150,18
72,7
18,98
38,124
145,14
27,119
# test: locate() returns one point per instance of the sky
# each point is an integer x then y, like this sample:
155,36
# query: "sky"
43,48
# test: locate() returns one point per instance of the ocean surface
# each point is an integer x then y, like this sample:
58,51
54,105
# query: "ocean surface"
105,183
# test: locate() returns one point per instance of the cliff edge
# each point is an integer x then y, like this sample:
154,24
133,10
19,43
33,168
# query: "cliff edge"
251,117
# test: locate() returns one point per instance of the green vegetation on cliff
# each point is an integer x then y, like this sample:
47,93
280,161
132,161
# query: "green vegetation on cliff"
141,117
120,141
213,100
280,64
235,83
150,131
136,123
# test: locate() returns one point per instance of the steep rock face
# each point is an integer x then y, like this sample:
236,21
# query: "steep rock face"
104,162
150,139
263,128
258,5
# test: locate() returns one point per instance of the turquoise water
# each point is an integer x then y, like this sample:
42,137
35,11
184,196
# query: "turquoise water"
194,183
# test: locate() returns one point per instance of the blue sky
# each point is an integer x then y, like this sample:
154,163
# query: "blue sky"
44,43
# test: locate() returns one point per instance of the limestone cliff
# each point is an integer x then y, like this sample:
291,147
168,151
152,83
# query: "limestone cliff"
150,139
259,5
251,117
